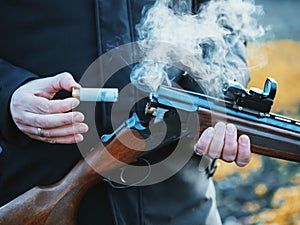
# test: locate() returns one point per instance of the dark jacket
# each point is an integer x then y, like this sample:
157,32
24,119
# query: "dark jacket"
43,38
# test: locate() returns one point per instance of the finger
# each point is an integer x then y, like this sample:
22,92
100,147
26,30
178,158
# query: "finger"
230,146
70,139
45,106
48,87
63,81
50,120
244,152
204,141
216,146
77,128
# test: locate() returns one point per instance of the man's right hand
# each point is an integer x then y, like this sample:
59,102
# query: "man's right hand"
40,117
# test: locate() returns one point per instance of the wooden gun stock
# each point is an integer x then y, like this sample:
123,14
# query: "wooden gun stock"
57,204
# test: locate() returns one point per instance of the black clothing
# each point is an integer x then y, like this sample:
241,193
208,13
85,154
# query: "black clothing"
43,38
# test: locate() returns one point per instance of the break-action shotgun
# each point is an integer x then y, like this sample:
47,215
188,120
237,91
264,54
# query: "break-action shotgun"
271,134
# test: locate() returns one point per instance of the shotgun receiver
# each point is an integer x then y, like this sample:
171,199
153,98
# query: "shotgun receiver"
271,134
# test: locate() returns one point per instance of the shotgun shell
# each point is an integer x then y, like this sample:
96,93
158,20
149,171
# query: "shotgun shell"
96,94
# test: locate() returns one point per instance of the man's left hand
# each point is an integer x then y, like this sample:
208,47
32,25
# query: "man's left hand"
221,142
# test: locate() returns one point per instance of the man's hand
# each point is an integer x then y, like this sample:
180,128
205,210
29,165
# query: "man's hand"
38,116
221,142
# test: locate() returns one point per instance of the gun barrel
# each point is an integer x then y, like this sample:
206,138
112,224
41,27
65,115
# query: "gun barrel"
271,134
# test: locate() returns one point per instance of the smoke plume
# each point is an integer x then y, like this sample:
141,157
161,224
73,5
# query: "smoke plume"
213,40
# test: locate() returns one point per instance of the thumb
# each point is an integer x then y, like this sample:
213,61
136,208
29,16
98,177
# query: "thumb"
62,81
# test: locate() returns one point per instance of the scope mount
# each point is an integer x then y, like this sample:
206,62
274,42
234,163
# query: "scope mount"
254,99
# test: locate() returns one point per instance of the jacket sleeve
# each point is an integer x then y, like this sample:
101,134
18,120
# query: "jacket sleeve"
11,77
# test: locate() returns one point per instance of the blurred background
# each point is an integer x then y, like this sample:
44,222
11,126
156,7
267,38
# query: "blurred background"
267,191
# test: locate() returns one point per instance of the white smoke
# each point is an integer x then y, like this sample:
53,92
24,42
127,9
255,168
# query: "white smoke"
214,37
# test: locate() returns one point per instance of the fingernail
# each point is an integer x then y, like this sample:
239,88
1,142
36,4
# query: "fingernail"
78,138
230,128
244,140
83,128
197,151
75,102
78,118
209,132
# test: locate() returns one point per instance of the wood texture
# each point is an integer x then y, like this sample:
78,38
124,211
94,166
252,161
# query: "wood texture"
57,204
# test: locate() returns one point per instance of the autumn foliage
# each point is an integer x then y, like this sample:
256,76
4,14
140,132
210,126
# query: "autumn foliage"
267,191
